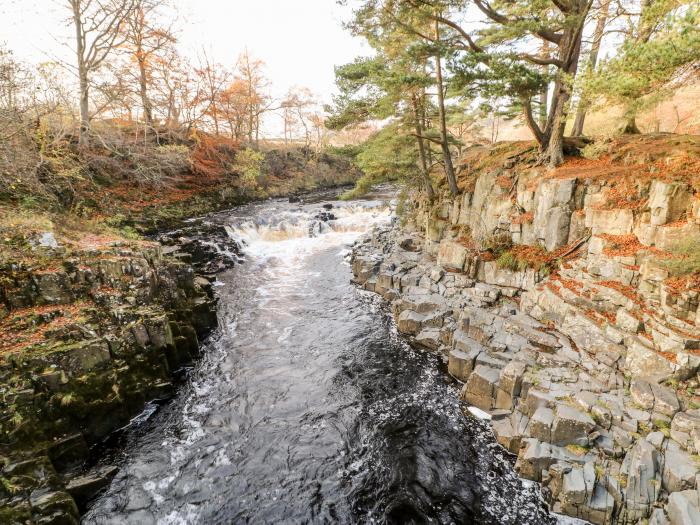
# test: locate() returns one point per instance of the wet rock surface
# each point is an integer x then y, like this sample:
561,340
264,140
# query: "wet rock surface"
206,245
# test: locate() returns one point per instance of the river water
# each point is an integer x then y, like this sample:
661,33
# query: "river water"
307,407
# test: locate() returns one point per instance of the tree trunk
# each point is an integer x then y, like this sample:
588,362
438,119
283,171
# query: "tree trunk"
583,104
143,85
569,52
84,108
544,52
449,169
421,151
84,85
631,126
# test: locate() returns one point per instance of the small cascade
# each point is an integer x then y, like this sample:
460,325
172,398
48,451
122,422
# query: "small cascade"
304,227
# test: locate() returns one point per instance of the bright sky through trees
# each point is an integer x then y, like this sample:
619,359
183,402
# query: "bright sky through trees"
299,41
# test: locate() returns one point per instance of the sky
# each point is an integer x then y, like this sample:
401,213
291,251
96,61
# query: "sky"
300,41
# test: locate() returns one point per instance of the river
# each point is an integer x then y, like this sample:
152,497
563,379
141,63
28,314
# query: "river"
307,407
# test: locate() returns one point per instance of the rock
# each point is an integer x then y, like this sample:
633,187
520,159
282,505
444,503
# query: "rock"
656,439
84,488
628,322
600,507
451,255
83,356
679,471
573,492
460,364
642,361
571,426
611,222
665,400
640,466
686,425
641,394
480,389
683,508
68,452
553,205
55,507
668,201
409,322
510,384
541,424
536,456
429,338
44,240
658,517
408,244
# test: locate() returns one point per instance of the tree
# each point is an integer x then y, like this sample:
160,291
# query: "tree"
97,26
213,81
145,40
666,39
250,71
295,108
509,50
234,108
444,144
378,88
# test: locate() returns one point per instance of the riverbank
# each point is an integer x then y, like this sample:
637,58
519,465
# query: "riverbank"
87,343
97,322
550,297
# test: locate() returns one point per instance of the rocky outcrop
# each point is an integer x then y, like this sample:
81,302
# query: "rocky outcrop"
90,337
587,370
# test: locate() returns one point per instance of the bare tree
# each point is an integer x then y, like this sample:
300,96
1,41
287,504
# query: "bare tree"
97,24
214,80
146,40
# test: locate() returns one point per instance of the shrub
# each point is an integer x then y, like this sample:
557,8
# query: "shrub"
248,164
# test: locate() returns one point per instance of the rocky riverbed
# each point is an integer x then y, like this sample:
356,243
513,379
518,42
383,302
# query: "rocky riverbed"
586,372
606,447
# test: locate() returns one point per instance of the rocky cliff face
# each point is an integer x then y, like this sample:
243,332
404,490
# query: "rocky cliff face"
88,338
549,295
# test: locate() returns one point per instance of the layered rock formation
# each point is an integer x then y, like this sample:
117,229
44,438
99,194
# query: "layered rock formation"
90,337
588,364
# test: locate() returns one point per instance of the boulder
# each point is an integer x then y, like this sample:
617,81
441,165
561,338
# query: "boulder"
451,255
510,384
683,508
536,456
541,424
460,364
573,493
571,426
641,468
679,471
429,338
643,361
480,389
665,400
641,394
409,322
